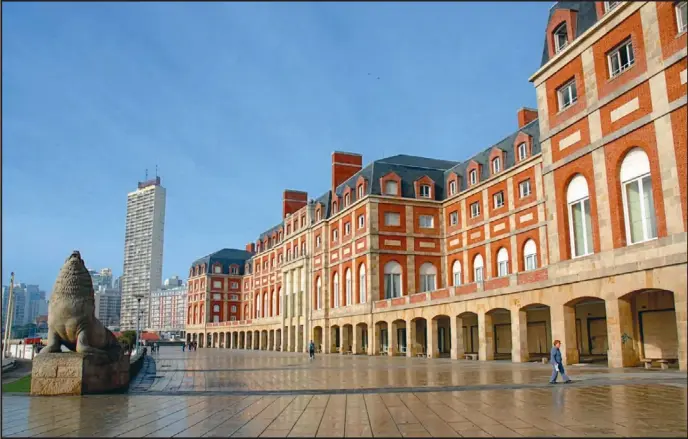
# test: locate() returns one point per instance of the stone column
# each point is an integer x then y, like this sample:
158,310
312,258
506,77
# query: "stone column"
564,329
622,349
393,339
344,339
432,329
519,336
261,343
486,348
410,337
357,339
457,343
287,338
375,336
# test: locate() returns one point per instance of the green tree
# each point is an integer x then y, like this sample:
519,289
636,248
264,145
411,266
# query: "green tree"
127,338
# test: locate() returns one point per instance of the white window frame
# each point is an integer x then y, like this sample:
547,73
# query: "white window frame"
558,47
217,284
502,262
522,151
681,21
572,199
362,284
388,188
388,219
452,187
498,200
627,47
335,290
318,215
496,165
473,177
360,192
425,191
456,273
608,6
475,212
524,188
393,272
635,167
217,296
427,277
347,229
567,89
318,294
530,255
217,269
318,241
426,221
234,308
348,290
361,221
347,200
335,235
453,218
478,268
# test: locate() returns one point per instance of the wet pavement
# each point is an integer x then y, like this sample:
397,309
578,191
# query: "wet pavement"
214,392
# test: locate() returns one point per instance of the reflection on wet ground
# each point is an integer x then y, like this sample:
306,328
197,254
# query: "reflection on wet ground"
247,393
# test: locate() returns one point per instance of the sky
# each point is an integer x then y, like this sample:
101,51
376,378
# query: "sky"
234,103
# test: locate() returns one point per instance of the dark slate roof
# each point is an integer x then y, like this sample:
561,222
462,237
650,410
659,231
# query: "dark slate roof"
227,257
324,199
268,233
506,145
585,18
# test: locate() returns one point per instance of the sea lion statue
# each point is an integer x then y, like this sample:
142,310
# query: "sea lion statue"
71,316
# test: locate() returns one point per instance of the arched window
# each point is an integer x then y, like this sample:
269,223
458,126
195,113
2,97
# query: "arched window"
273,310
392,280
362,284
638,203
216,308
276,302
478,268
335,290
265,305
428,277
580,224
234,308
347,286
530,255
257,307
452,187
502,262
318,294
456,272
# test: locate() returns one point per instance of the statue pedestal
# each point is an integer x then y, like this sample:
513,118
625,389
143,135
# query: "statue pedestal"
72,373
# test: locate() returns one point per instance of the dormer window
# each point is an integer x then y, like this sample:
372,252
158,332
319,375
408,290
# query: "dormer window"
496,165
303,221
391,187
567,94
360,192
347,199
608,6
473,177
682,16
425,191
452,188
288,229
334,208
217,269
561,38
522,151
234,270
318,215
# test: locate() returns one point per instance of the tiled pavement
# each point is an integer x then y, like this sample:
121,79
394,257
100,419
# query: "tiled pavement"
239,393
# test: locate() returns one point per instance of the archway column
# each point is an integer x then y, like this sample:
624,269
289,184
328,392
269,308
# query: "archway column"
410,337
563,319
519,335
622,349
356,339
457,343
375,345
392,339
343,339
432,329
486,342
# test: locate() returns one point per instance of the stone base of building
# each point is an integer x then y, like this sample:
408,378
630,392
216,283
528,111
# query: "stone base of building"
73,373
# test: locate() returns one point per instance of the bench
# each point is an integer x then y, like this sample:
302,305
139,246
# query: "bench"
471,356
647,362
664,364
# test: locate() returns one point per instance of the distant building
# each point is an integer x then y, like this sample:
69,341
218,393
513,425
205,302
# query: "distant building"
168,309
101,279
173,281
108,306
118,284
29,302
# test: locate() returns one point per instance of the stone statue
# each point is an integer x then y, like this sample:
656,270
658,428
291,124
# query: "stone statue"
71,316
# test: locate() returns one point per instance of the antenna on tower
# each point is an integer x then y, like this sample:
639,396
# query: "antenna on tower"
146,179
156,171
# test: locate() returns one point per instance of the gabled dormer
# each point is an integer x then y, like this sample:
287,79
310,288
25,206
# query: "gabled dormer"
523,147
347,197
335,204
425,188
560,30
473,173
318,212
453,184
217,268
390,185
361,187
497,160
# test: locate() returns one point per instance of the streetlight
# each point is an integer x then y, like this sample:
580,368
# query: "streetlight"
9,316
138,318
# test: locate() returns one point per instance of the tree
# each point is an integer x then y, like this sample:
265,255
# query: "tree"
127,338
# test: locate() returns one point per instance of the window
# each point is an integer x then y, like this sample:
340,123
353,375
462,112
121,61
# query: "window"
303,249
524,188
335,290
561,38
567,94
496,165
428,276
392,219
392,280
530,255
682,16
347,228
478,268
317,241
234,308
318,215
426,221
217,296
452,187
234,285
217,284
502,262
522,151
318,294
580,224
621,58
347,199
274,302
265,305
454,218
473,176
217,269
234,297
425,191
456,273
608,6
391,187
347,288
334,207
232,319
638,202
360,192
335,235
216,319
296,251
498,199
475,209
361,221
216,308
362,284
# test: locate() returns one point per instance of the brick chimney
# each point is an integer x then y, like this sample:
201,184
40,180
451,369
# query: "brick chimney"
526,116
344,165
293,201
251,247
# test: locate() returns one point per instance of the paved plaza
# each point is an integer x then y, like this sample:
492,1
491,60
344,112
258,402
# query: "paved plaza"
222,393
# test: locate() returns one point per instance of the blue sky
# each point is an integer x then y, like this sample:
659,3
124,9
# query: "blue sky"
234,103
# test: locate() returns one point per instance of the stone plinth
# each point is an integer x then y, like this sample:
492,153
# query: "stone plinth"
72,373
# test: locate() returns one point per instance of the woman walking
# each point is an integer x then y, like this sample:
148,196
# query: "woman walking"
557,365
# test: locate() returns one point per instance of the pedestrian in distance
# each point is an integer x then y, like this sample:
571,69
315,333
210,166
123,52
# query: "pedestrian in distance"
183,347
557,365
311,350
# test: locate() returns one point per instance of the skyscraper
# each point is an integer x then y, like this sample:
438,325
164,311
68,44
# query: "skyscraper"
143,244
101,279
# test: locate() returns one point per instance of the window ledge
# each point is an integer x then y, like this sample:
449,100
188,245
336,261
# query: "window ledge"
620,74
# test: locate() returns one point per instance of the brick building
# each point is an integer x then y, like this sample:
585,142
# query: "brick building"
573,227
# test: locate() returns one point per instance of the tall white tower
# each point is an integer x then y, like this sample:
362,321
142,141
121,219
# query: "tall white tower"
143,243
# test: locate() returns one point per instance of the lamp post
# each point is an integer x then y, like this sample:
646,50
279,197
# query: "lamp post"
138,319
10,315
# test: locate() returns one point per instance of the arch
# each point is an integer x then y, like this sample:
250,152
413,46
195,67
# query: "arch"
428,277
361,345
347,287
478,268
335,290
318,293
442,337
579,216
502,262
530,255
634,164
577,189
381,340
393,284
265,304
456,273
362,284
640,219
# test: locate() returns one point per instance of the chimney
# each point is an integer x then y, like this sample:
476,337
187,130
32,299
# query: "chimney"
251,247
293,201
344,165
526,116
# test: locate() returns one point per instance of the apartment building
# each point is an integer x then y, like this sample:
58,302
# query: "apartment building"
168,307
573,227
